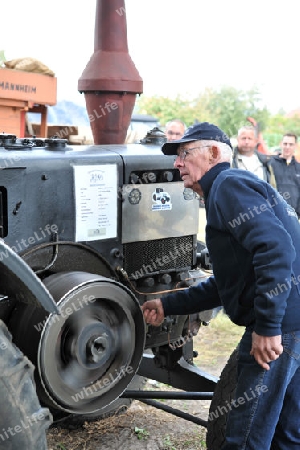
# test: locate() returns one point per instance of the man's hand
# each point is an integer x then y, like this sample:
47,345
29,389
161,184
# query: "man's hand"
266,349
153,312
252,121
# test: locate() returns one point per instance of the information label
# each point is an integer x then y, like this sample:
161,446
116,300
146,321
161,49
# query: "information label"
96,202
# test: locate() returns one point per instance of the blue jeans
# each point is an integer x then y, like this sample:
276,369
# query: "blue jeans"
266,412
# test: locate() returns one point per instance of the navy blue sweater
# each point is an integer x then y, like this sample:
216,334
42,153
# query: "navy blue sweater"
253,239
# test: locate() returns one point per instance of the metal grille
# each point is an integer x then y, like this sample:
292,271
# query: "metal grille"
162,255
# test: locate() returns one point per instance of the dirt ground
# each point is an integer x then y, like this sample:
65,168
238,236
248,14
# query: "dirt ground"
145,427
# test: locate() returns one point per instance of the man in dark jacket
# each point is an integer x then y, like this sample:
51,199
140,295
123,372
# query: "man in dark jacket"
253,239
246,156
287,171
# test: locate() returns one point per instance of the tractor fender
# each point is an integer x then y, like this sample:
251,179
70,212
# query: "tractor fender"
18,281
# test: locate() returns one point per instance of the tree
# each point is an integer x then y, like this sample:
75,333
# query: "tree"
227,107
164,108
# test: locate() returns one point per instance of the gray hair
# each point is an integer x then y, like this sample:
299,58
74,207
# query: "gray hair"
246,128
225,149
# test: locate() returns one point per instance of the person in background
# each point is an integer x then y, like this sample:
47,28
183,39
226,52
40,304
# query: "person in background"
261,144
287,171
246,156
253,240
174,129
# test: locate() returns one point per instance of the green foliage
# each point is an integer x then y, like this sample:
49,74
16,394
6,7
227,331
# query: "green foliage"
277,126
229,108
164,108
141,433
272,140
226,107
168,443
281,124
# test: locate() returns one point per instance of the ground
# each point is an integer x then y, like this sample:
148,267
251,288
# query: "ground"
145,427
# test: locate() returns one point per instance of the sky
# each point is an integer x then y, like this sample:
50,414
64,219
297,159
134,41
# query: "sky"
179,47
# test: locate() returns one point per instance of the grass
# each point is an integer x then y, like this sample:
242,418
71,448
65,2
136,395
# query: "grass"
141,433
168,443
215,343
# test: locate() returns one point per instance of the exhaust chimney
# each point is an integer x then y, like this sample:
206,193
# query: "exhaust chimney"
110,81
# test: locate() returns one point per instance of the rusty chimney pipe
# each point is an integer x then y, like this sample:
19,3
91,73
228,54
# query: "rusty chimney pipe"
110,81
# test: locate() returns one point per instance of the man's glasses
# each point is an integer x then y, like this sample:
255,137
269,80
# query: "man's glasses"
182,154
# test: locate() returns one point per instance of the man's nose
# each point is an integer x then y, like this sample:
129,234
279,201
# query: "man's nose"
178,162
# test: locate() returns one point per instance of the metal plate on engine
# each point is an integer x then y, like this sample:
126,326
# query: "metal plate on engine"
157,211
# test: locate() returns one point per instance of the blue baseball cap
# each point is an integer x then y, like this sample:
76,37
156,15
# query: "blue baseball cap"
198,132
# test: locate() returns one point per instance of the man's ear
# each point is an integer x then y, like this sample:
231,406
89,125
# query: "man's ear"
215,153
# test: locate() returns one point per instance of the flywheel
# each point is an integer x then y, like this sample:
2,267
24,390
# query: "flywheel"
87,355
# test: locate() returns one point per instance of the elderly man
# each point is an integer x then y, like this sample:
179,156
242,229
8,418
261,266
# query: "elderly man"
253,239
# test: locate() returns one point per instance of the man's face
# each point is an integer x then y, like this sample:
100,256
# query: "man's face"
288,147
194,164
247,142
174,131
